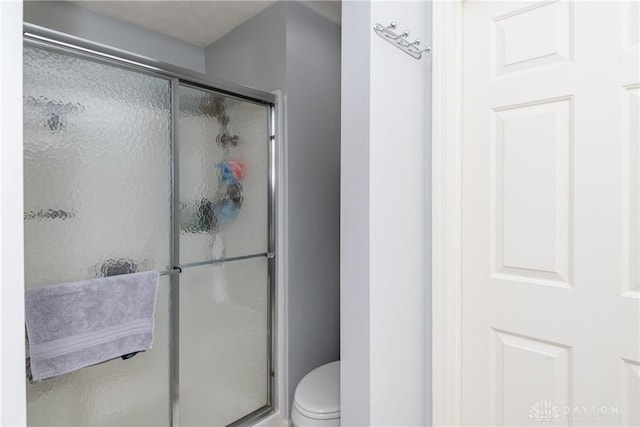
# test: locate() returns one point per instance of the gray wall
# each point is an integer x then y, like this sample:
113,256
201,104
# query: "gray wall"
355,381
80,22
385,283
313,117
252,55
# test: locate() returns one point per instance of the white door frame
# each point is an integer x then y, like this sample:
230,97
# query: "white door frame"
447,213
12,384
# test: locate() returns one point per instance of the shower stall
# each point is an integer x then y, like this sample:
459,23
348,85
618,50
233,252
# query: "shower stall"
129,166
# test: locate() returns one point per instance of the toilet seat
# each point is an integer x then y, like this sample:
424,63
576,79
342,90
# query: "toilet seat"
317,397
316,415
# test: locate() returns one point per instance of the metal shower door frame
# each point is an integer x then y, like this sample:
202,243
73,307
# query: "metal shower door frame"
66,44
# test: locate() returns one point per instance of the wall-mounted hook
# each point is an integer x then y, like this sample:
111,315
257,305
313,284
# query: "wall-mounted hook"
400,40
414,49
404,35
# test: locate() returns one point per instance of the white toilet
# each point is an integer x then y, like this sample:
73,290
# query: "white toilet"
317,398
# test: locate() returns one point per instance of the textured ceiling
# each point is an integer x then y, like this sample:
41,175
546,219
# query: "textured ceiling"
197,22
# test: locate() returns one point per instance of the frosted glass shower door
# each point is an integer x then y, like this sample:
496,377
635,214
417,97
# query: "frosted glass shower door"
97,198
111,188
223,176
224,240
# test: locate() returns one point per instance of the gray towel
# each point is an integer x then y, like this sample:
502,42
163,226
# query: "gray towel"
74,325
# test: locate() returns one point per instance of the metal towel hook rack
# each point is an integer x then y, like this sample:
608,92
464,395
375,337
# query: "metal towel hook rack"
400,40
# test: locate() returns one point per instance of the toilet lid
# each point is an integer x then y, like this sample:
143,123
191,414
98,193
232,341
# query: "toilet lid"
318,394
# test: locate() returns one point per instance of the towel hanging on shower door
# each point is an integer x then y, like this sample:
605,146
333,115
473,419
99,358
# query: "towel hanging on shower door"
74,325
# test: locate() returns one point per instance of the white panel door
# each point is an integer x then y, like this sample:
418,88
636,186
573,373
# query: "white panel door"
551,214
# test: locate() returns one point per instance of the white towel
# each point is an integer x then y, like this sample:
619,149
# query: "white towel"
75,325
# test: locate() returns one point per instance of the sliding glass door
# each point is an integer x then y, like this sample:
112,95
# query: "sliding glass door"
128,169
97,198
224,244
